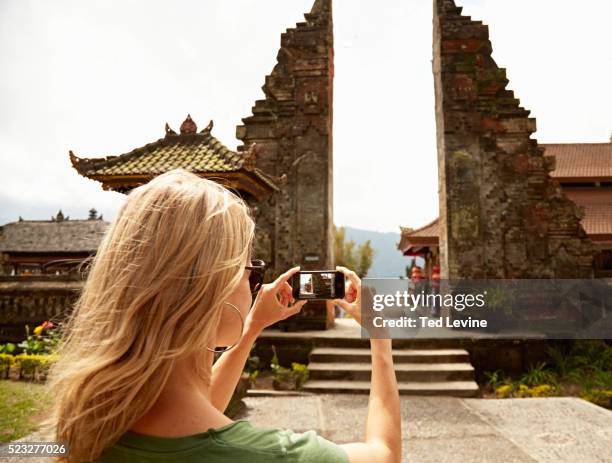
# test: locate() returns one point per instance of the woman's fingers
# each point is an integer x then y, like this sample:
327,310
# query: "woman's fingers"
345,305
273,300
284,278
343,270
351,293
352,276
294,309
287,288
351,309
285,294
354,280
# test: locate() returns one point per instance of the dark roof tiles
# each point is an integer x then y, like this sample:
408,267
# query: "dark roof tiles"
199,152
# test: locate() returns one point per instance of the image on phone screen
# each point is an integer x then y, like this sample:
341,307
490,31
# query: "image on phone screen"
319,285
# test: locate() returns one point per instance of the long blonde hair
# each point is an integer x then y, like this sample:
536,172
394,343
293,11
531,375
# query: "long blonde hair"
153,294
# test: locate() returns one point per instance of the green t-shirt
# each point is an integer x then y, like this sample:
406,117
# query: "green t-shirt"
236,442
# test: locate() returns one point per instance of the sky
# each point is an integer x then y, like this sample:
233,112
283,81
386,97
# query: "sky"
103,77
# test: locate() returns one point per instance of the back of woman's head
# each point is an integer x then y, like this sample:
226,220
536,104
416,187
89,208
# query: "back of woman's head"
153,294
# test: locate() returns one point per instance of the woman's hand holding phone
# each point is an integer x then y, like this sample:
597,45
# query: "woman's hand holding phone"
272,303
351,302
357,302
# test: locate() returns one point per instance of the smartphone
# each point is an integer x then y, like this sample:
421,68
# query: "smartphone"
318,285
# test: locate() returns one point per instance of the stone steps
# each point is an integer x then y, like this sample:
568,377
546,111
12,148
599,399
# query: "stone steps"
335,354
364,343
419,371
441,388
403,371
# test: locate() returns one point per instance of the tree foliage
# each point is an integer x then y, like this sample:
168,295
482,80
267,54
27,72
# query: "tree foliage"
349,255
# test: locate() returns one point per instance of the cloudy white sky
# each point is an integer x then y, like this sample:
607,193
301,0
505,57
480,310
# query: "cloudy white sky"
102,77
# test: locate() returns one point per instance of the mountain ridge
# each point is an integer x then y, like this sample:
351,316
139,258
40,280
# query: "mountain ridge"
388,261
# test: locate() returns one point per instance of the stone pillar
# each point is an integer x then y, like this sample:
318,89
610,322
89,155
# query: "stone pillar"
292,128
501,214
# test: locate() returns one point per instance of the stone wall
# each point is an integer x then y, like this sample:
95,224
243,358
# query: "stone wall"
292,128
501,214
30,300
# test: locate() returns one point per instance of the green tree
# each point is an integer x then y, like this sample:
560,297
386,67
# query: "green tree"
349,255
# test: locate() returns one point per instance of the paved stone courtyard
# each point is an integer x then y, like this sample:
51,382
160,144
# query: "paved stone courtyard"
445,429
449,430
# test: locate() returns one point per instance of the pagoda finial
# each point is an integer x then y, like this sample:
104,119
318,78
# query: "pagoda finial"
188,126
208,128
169,131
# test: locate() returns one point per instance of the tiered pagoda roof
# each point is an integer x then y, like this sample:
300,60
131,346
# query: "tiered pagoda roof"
197,152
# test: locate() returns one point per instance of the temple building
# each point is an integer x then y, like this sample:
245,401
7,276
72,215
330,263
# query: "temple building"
49,247
423,242
197,152
584,172
283,167
40,263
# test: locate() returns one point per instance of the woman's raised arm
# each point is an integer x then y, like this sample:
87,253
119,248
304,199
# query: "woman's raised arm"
383,435
270,306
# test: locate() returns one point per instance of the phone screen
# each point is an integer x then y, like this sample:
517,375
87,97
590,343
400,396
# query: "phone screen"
321,284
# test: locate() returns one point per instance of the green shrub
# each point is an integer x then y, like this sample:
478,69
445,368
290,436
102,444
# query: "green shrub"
33,367
7,348
287,378
504,391
519,389
300,372
539,374
601,397
6,362
586,364
495,378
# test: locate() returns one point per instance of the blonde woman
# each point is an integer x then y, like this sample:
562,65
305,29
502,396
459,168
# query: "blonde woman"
172,282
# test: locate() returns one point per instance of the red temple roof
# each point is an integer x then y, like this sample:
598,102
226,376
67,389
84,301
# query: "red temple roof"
581,161
597,223
574,163
416,241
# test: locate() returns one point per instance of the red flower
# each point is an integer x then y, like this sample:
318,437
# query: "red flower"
47,325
